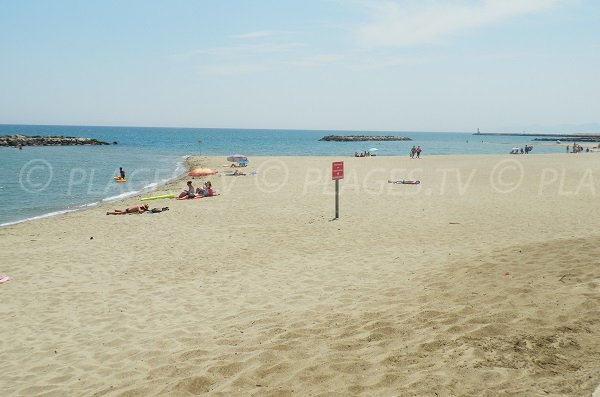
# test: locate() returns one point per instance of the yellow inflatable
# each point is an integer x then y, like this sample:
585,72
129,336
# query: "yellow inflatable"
165,196
119,179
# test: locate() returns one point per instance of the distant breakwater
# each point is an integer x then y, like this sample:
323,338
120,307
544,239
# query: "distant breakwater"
22,140
568,138
551,137
361,138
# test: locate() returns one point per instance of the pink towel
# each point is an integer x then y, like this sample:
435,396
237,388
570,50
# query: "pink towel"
4,278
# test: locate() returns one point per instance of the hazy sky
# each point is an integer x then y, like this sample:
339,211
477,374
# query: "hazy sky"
403,65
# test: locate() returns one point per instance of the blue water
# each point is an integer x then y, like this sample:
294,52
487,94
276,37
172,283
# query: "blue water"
37,181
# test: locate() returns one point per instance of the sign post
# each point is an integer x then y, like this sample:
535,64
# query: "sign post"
337,173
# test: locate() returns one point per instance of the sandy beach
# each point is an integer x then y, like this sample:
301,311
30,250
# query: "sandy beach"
482,280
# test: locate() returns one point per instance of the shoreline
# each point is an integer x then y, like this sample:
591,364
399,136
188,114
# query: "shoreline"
197,162
119,198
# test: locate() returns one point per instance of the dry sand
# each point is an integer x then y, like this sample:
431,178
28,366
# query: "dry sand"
484,280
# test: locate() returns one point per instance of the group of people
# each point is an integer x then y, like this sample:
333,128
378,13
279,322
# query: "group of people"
526,150
241,163
415,152
190,192
363,154
577,148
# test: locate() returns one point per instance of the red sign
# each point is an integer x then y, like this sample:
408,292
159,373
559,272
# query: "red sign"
337,170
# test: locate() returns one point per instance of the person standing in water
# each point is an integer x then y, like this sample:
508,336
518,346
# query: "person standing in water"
122,172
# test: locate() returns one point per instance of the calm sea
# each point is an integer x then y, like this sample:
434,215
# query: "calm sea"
45,181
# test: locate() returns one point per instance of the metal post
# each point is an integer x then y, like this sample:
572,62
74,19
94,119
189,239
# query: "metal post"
337,199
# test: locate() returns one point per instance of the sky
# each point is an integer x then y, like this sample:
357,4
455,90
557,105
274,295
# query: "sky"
393,65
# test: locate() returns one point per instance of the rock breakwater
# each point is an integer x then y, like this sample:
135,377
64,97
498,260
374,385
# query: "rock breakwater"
23,140
360,138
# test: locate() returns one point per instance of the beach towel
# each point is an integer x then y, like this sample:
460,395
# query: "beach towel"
4,278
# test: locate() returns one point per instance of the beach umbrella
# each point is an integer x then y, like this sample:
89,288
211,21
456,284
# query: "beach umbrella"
237,157
202,172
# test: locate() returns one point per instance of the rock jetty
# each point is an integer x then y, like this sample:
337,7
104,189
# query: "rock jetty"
22,140
552,137
567,138
360,138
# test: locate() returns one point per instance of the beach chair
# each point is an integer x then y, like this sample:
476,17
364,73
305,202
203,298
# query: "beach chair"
243,163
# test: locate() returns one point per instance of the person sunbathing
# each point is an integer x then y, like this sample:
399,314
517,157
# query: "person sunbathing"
238,173
140,209
405,182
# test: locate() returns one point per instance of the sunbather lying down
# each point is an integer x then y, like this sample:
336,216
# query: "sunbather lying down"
405,182
239,173
137,210
131,210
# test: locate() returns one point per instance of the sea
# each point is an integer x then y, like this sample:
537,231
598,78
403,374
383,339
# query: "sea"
47,181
